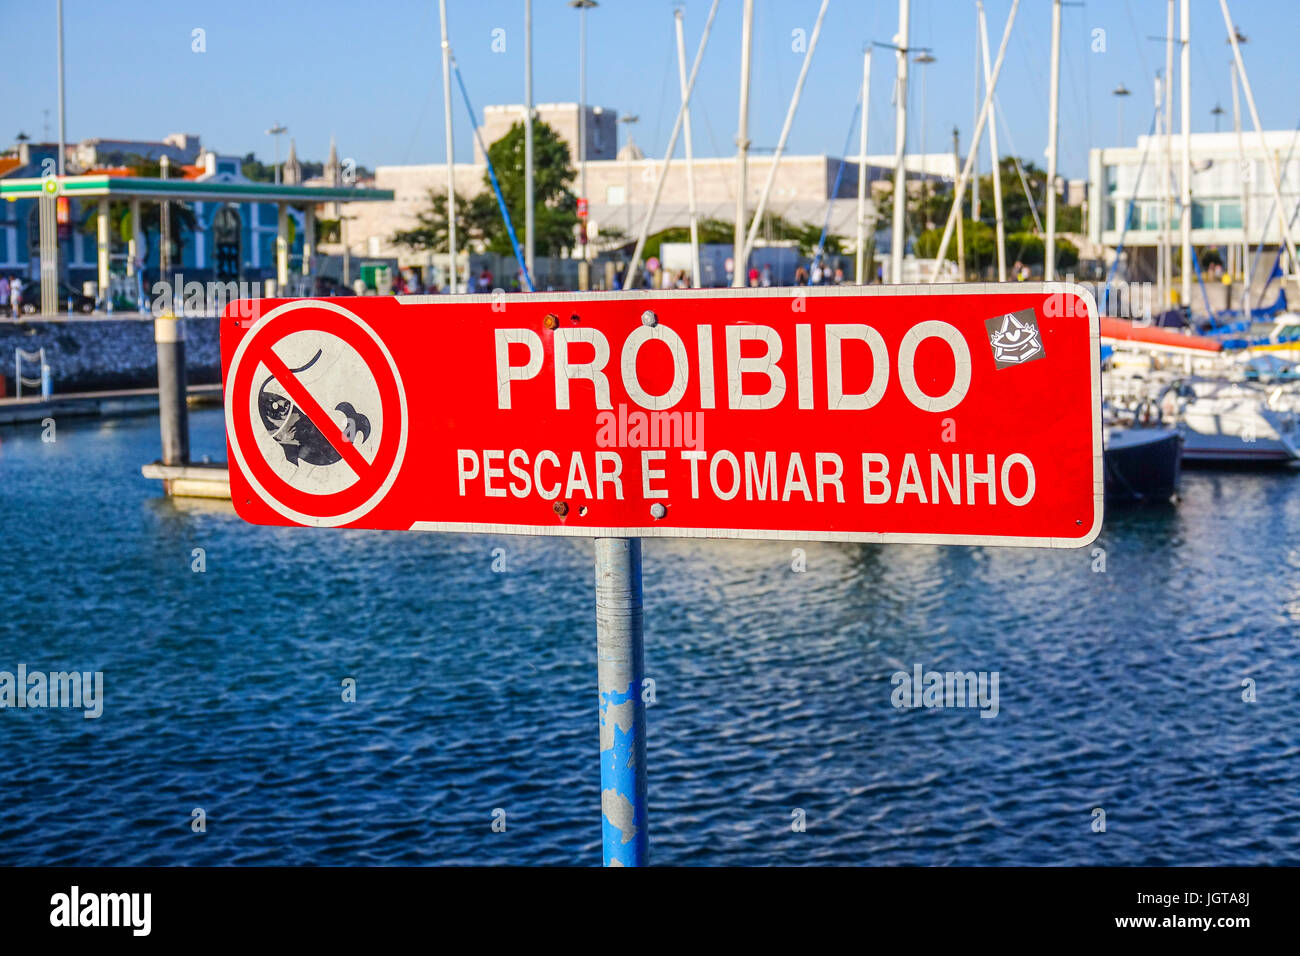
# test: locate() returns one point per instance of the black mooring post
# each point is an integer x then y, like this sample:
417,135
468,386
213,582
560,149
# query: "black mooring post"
173,414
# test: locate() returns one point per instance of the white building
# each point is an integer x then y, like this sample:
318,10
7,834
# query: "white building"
620,186
182,148
1225,181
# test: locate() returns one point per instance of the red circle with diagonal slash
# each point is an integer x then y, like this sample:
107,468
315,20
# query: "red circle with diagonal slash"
371,476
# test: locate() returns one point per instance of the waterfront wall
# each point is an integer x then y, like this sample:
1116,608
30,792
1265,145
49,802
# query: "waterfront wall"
89,354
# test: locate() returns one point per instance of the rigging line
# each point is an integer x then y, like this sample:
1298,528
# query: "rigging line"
1087,83
1128,213
713,141
1272,209
1032,70
1078,105
492,174
1015,158
1137,34
839,176
663,91
776,88
419,119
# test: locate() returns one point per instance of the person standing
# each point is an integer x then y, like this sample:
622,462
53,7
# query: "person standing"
4,289
16,295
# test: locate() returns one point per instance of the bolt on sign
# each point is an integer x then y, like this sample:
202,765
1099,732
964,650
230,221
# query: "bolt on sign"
940,414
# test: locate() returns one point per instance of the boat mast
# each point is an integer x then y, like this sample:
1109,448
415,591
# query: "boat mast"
451,161
742,146
996,167
974,119
862,167
1053,110
1274,178
529,213
1246,271
690,151
959,191
898,238
1185,78
1167,170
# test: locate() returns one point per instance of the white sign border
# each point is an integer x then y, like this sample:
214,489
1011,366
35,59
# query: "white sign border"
1099,487
785,292
282,509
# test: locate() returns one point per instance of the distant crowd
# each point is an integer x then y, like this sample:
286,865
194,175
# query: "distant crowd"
653,276
11,294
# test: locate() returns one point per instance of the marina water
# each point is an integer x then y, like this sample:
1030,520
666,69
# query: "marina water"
1122,670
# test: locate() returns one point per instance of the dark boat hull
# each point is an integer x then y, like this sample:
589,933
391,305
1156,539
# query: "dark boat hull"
1142,465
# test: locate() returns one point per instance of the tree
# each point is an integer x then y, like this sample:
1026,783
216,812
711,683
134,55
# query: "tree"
1016,213
1031,249
430,230
555,208
710,231
1069,219
182,219
980,244
478,218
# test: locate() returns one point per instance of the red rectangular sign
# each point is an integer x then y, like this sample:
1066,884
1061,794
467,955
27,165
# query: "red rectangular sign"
943,414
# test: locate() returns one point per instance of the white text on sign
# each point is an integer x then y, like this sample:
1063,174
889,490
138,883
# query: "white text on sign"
754,476
737,366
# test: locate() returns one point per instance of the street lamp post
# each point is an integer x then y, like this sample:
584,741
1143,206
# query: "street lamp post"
277,131
1119,93
582,6
627,168
925,59
347,252
63,132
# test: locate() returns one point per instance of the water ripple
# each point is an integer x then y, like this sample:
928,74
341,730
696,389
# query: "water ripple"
475,691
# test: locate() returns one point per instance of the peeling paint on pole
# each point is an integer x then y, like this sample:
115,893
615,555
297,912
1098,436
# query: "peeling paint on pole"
621,663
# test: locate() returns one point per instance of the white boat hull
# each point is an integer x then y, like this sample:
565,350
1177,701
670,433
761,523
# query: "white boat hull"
1202,447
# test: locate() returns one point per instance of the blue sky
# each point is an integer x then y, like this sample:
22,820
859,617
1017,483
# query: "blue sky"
370,72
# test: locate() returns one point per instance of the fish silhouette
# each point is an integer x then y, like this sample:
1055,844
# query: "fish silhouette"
295,433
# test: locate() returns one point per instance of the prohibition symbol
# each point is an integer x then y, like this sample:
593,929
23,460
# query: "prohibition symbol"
316,413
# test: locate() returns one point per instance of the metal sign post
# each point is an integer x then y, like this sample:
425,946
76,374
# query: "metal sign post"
621,668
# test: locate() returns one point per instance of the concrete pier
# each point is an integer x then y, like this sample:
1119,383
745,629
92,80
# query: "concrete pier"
191,480
105,404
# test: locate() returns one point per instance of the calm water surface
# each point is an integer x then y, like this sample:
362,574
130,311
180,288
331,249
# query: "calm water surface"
477,690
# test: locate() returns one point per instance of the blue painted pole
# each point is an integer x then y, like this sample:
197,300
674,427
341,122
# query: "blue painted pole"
620,655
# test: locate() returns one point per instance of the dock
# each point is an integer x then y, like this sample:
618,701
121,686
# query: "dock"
191,480
133,401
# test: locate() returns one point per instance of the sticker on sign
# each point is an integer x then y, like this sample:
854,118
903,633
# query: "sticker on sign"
943,414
